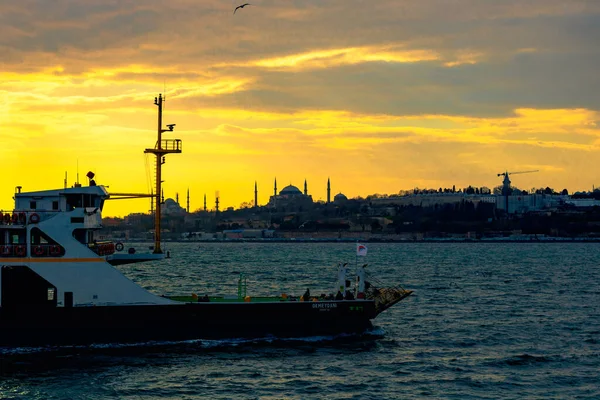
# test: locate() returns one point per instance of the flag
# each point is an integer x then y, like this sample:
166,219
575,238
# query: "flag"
361,249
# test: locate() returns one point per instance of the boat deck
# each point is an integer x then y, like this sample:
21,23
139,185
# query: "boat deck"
234,299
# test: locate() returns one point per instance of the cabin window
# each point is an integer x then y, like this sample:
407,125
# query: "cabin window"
74,201
43,245
12,243
51,294
39,237
88,201
18,236
32,205
77,220
55,205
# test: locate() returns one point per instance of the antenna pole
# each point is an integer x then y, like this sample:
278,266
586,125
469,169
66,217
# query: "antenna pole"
161,148
158,178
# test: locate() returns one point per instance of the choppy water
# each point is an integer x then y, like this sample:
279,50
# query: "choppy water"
486,321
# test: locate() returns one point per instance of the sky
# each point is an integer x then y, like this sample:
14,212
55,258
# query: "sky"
376,95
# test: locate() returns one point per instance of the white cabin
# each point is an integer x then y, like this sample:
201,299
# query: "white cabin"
49,257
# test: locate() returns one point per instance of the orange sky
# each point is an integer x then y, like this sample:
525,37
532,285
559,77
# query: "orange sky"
378,96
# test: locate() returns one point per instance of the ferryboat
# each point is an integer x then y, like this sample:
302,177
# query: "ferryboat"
61,286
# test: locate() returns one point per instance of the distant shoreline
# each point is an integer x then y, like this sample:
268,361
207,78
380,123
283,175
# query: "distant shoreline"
298,240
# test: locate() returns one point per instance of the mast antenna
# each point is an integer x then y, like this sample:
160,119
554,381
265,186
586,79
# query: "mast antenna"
160,150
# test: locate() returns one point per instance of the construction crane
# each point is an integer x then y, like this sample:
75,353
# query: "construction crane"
506,180
518,172
506,185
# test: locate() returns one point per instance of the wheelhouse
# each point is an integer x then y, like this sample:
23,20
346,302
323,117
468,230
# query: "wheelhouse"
25,231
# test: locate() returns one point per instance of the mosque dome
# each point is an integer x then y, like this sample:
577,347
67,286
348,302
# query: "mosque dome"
339,197
170,206
290,190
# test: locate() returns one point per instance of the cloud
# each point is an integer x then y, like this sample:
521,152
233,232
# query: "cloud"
390,93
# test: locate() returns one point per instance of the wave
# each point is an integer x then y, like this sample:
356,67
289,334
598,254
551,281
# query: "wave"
373,333
521,360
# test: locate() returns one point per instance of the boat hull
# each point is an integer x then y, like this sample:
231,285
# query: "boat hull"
186,321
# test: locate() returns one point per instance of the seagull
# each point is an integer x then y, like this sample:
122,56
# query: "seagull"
242,6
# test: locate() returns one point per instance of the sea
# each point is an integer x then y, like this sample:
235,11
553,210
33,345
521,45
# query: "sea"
485,321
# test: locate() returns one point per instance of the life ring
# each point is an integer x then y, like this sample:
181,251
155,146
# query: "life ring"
38,250
22,218
6,250
119,246
7,218
20,250
34,218
15,218
1,217
54,250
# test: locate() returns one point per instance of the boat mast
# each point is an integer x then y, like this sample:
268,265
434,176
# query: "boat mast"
160,150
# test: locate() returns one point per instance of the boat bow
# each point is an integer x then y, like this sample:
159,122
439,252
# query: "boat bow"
386,297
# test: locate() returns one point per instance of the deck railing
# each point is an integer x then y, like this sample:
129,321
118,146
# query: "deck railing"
102,248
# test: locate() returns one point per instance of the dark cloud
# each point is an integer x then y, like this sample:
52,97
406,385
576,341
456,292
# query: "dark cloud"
495,88
191,29
527,53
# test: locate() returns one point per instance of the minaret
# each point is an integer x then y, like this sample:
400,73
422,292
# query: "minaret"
217,201
328,191
177,198
204,201
255,195
305,188
188,201
275,188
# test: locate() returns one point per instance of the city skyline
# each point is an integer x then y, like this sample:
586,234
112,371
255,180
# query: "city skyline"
380,99
210,202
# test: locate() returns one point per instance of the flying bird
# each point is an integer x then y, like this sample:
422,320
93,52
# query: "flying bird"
242,6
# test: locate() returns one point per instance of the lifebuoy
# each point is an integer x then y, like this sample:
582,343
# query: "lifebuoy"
6,250
38,250
15,218
20,250
22,218
6,218
54,250
34,218
1,217
119,246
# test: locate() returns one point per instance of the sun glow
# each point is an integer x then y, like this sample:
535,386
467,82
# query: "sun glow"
378,99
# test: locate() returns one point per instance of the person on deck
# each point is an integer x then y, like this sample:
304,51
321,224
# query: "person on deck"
306,295
342,272
360,282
